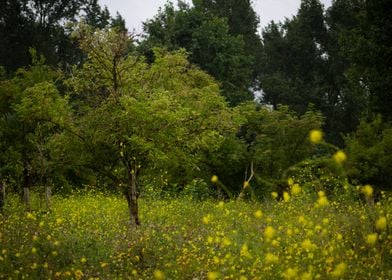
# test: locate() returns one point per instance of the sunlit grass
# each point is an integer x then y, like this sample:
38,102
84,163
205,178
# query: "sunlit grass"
87,236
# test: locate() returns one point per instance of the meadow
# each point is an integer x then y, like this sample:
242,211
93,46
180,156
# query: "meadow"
305,235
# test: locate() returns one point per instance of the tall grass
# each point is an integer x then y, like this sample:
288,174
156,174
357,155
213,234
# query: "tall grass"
305,236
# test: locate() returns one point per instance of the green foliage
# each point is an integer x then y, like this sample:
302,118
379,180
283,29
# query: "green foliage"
277,139
369,159
210,45
32,112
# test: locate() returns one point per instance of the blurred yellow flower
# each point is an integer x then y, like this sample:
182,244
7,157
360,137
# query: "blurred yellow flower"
286,196
290,273
371,238
307,245
271,258
30,216
212,275
339,157
274,195
159,275
78,274
269,232
315,136
214,179
295,189
339,270
290,181
258,214
367,190
381,223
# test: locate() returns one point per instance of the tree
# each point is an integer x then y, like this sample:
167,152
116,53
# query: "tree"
32,112
368,161
210,45
157,116
276,140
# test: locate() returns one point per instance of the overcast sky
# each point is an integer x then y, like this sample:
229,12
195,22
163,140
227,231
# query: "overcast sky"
137,11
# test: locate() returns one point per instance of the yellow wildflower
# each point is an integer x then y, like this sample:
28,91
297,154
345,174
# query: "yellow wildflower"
159,275
381,223
290,181
295,189
269,232
274,195
290,273
367,190
271,258
315,136
214,179
78,274
212,275
286,196
339,270
258,214
371,238
339,157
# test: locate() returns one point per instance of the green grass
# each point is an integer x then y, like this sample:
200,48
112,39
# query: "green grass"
87,236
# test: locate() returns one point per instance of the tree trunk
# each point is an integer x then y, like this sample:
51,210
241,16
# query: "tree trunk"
26,186
2,196
26,198
48,196
131,196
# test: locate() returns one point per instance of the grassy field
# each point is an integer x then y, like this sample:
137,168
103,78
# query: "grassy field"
304,236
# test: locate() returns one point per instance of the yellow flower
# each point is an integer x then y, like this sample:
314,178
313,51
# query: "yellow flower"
269,232
212,275
322,201
258,214
315,136
245,251
295,189
307,245
367,190
339,157
207,219
83,260
290,273
286,196
274,195
306,276
290,181
30,216
159,275
78,274
371,239
381,223
271,258
339,270
214,179
246,184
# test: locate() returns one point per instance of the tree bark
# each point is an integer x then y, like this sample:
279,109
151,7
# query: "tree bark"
131,196
26,198
2,196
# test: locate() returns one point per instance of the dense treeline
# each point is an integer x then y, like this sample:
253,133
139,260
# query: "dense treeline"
83,103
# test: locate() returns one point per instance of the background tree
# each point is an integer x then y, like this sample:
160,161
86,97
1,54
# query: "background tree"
210,44
32,112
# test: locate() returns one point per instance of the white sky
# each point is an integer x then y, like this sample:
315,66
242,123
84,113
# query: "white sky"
137,11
